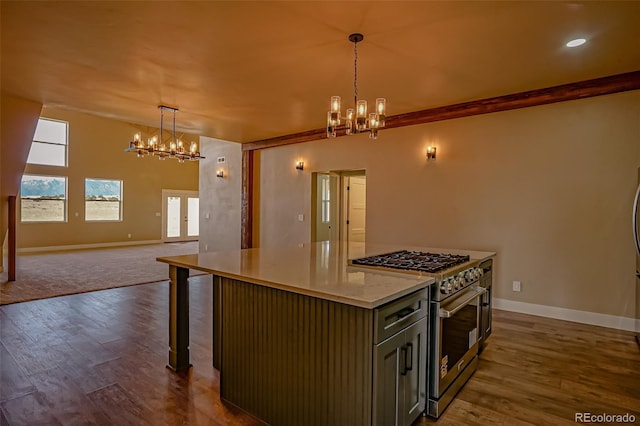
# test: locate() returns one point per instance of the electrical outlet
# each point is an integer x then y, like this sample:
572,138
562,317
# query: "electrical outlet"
300,218
128,235
516,286
206,247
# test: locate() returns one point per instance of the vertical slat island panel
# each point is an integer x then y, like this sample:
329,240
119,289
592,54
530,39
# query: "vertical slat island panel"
292,359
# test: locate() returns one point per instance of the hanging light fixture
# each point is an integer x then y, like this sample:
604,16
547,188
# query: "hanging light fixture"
153,147
356,120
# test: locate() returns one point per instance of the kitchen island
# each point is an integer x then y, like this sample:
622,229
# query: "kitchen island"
294,328
301,336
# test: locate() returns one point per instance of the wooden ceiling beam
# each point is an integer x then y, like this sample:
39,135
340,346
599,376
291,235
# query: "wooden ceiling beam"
565,92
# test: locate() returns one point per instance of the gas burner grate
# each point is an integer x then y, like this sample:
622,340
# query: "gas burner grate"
408,260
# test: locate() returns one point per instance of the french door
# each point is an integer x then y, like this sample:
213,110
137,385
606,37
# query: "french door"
180,215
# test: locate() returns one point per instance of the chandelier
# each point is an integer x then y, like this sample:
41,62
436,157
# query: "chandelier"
155,147
356,120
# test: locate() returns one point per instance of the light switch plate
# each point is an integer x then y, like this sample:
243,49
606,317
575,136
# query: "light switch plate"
516,286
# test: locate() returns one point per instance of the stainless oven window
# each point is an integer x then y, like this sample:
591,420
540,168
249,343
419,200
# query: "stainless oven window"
459,334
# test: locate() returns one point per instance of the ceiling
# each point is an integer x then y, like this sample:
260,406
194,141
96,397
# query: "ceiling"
246,71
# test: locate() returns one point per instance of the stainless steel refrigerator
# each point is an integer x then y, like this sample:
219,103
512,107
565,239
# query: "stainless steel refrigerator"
636,239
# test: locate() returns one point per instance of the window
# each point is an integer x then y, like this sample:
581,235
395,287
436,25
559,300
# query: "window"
49,145
102,199
43,198
325,193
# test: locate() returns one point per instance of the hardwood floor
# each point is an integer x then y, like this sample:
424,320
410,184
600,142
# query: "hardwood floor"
99,358
541,371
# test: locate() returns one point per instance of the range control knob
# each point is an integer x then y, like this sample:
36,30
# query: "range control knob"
473,274
450,285
470,275
443,287
480,272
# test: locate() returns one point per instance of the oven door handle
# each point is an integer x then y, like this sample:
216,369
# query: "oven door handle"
449,313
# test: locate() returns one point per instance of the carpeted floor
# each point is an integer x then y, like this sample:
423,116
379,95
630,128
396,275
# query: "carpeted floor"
51,274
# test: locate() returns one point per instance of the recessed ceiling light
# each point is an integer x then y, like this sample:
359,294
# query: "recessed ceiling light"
577,42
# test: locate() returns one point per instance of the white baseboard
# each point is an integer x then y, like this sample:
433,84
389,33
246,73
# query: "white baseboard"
88,246
584,317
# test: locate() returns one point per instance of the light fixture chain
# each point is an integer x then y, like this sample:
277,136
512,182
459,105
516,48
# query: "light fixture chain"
355,73
161,120
174,128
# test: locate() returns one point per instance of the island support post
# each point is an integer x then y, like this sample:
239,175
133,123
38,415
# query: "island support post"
178,318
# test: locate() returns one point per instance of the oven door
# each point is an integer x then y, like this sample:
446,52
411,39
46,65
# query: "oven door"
458,325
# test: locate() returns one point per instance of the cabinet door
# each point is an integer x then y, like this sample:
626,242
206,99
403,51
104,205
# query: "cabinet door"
388,381
415,380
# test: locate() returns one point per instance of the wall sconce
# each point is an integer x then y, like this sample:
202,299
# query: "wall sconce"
299,165
431,153
220,173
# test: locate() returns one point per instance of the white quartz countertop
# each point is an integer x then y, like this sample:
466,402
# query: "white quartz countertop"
316,269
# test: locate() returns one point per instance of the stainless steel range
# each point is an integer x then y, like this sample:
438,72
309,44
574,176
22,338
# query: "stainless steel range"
455,329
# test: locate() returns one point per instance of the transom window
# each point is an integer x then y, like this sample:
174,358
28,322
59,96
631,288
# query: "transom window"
103,199
43,198
49,146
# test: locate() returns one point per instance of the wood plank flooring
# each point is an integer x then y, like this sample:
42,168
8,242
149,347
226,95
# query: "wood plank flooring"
99,358
541,371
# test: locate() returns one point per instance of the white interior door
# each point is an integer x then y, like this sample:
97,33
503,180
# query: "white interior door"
356,207
339,202
180,215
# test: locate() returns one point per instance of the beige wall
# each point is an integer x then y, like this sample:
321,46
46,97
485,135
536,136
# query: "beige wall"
18,121
96,150
549,188
220,198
